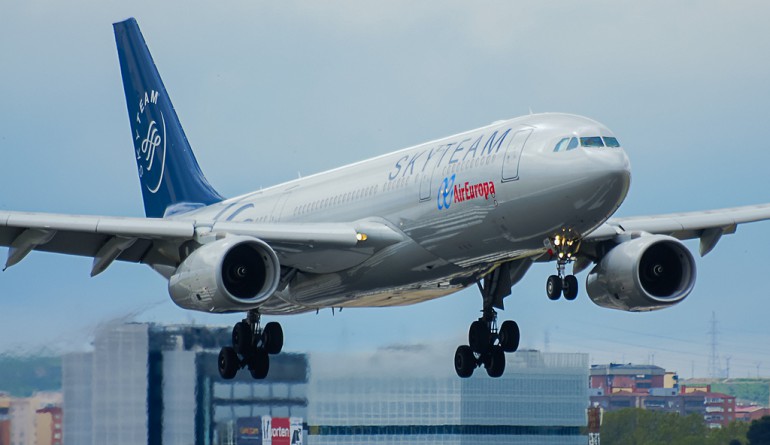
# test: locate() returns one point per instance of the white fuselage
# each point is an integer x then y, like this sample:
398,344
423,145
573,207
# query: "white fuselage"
465,203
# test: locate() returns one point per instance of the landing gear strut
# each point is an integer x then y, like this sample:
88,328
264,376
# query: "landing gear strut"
487,344
564,247
252,346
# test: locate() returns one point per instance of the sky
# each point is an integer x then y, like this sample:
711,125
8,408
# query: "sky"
267,91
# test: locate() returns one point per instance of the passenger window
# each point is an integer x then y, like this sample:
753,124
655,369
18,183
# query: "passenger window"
611,142
593,141
561,145
573,143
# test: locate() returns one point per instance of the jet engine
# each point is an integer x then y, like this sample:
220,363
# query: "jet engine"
233,274
647,273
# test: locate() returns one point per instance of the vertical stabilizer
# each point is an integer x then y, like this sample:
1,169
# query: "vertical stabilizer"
171,180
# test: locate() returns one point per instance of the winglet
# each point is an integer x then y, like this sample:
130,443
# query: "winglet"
171,180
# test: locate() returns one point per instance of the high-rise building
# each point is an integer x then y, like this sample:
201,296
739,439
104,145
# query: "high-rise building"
162,384
77,389
148,384
410,395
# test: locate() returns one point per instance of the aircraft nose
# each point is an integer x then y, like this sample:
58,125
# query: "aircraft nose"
612,163
603,182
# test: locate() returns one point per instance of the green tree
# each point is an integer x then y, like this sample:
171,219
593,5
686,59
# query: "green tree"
640,427
759,432
732,434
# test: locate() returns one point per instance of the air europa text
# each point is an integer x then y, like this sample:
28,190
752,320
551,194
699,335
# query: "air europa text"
474,191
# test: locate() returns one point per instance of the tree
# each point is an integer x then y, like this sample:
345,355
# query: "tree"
759,432
640,427
732,434
634,426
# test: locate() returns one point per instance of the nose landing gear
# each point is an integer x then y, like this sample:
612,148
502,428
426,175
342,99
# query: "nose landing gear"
564,247
252,347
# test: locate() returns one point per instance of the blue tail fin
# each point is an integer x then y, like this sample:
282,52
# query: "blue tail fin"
171,180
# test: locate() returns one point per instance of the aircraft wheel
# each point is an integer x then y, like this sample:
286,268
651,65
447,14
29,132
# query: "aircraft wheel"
553,287
496,362
465,361
509,336
259,363
570,284
228,363
242,337
479,337
272,337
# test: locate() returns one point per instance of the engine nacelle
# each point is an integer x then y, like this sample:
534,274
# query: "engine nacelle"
233,274
644,274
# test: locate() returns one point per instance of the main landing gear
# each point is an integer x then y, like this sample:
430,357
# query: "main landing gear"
252,347
564,248
487,344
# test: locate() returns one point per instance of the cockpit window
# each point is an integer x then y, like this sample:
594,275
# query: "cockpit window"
566,144
561,145
611,142
593,141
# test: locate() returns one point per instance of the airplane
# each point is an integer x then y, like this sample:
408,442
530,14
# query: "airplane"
476,208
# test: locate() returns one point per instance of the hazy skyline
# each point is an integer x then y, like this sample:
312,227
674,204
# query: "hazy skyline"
267,91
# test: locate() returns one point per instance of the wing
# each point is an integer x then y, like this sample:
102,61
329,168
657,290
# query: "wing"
708,226
160,242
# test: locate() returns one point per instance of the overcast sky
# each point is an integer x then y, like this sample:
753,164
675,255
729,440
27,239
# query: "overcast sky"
269,90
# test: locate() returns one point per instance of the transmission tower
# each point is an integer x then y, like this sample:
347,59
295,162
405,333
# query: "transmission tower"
714,371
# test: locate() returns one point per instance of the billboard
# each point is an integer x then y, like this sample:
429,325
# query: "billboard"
248,431
266,430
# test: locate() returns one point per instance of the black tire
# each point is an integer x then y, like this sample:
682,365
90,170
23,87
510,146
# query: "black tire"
479,337
272,337
509,336
242,338
259,364
228,363
465,361
570,286
496,362
553,287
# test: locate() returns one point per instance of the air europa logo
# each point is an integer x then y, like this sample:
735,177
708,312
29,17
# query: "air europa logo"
446,193
150,141
449,192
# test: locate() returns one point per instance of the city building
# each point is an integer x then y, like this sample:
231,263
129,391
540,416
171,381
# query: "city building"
159,384
77,373
747,413
618,386
148,384
627,377
48,426
24,417
411,396
5,419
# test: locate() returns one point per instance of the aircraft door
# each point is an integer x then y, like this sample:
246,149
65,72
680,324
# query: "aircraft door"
280,203
513,154
426,177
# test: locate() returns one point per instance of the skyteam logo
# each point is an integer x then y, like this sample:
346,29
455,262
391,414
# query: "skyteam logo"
446,193
150,141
